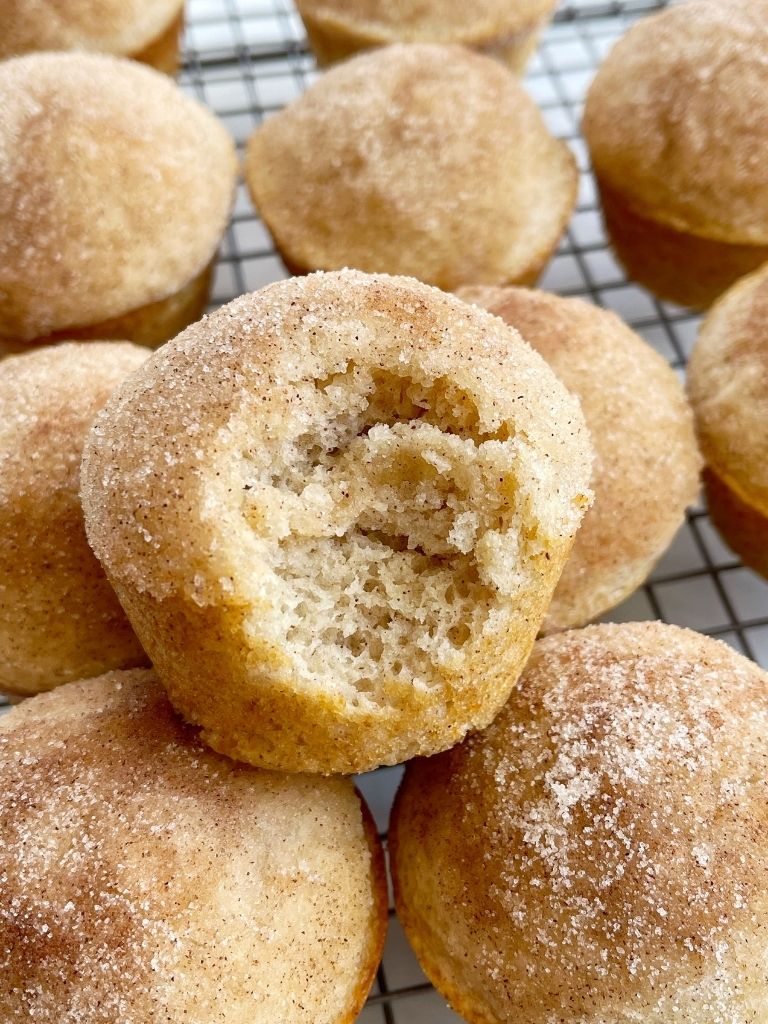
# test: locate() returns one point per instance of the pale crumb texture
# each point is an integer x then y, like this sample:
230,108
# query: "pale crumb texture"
414,159
677,119
115,189
335,511
121,27
727,376
424,21
599,854
146,880
59,617
646,469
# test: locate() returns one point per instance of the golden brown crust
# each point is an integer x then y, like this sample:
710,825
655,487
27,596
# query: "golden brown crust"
150,325
646,469
679,266
416,159
338,541
337,29
120,27
597,854
153,182
743,527
59,618
164,52
678,114
148,879
727,376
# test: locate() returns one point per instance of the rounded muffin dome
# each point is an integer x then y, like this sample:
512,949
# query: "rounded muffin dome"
599,852
115,189
427,161
676,118
146,878
59,617
121,27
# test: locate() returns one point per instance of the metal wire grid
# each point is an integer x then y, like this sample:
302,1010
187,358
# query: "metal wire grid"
246,59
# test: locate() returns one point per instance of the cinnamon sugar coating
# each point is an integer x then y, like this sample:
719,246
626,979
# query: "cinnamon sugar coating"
599,853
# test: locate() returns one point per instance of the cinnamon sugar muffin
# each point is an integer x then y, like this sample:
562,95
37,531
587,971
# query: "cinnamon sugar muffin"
59,618
115,190
727,376
146,878
599,853
676,122
144,30
647,463
506,29
335,512
430,161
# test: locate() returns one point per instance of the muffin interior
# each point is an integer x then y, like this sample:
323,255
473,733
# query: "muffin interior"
388,527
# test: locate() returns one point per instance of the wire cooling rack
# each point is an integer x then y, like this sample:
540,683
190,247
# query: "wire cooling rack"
246,59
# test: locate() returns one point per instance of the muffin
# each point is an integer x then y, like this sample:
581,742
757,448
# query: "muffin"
335,512
115,190
506,29
146,878
646,469
676,122
144,30
599,853
429,161
727,376
59,617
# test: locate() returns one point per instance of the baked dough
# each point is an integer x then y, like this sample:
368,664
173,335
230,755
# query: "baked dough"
599,853
148,879
145,30
676,120
646,459
59,618
727,376
335,512
115,190
506,29
430,161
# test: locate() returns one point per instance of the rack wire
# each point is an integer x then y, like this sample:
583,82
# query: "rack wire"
246,59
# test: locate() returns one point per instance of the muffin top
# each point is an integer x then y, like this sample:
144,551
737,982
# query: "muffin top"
48,400
112,26
423,160
727,376
597,854
646,468
114,190
428,20
677,118
140,870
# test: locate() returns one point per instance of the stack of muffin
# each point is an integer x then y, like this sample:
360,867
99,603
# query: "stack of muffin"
335,515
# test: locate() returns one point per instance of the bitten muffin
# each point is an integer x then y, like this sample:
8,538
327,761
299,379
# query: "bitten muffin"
145,30
676,122
647,463
429,161
146,878
600,852
59,617
335,512
115,190
728,385
506,29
